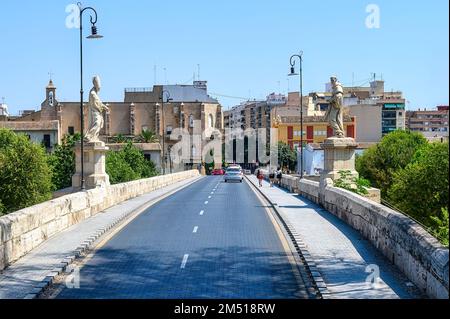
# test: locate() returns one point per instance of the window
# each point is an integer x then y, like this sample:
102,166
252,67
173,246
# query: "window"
169,129
191,120
71,130
50,98
210,121
46,140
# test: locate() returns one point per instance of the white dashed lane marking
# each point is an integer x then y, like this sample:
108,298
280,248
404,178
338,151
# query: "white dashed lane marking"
195,229
209,196
206,202
202,212
183,263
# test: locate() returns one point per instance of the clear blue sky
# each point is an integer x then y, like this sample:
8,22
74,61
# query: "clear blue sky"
243,47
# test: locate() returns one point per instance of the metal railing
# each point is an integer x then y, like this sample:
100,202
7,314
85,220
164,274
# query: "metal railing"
431,231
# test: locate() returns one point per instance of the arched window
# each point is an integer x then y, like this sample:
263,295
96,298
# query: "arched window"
50,98
210,121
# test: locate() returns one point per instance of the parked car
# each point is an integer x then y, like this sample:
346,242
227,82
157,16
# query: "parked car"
233,173
218,171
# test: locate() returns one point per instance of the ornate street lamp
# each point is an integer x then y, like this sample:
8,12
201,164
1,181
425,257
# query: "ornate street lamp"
93,35
293,73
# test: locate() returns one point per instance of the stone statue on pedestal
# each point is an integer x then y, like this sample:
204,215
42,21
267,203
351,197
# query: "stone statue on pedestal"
96,109
334,114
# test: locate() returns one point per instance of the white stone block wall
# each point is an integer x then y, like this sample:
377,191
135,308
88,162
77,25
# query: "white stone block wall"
24,230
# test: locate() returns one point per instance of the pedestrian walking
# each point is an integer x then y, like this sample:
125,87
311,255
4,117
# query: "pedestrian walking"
279,176
271,177
259,176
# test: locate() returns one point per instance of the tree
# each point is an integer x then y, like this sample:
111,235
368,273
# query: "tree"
287,157
128,164
379,163
120,139
62,162
421,188
2,209
148,136
118,169
25,176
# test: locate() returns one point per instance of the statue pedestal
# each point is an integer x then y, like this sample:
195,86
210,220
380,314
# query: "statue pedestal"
94,165
339,156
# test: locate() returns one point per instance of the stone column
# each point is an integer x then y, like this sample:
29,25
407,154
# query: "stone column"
339,156
94,165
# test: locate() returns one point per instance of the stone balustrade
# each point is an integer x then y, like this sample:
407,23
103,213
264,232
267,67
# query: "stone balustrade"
22,231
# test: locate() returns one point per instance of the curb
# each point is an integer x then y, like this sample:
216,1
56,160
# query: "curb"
302,250
88,244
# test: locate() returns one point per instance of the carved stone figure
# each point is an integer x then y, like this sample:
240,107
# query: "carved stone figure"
334,114
95,116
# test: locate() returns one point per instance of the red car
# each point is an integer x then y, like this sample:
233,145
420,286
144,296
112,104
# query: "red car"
218,171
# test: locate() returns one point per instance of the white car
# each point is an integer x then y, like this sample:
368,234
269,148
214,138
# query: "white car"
233,173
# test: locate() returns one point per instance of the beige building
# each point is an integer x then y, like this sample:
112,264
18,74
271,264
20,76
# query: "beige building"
142,109
433,124
377,111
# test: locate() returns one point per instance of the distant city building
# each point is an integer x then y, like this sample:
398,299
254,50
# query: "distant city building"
433,124
377,111
4,110
315,129
141,110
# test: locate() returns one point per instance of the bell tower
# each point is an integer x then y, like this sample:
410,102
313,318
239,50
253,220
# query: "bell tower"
48,107
50,94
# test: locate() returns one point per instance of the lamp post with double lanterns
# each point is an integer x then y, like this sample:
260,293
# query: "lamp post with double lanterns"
93,35
164,126
293,73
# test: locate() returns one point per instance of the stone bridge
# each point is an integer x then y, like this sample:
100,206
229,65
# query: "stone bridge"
189,236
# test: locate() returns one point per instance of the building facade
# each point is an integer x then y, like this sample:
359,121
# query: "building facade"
183,107
433,124
315,130
378,112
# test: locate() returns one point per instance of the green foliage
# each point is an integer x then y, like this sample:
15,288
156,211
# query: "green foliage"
2,208
413,176
62,162
442,226
128,164
287,157
25,177
380,162
147,136
120,138
421,188
353,184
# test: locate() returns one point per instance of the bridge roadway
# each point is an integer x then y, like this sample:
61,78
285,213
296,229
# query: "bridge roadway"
209,240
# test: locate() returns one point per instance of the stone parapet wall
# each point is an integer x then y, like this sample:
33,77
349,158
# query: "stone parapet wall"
24,230
401,240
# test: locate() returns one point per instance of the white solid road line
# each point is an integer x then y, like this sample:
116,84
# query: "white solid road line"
183,263
202,212
195,229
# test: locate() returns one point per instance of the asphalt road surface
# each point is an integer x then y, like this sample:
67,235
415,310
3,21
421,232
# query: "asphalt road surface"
209,240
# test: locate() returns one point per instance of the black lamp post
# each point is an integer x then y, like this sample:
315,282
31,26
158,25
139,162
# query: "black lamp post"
93,35
164,126
292,73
